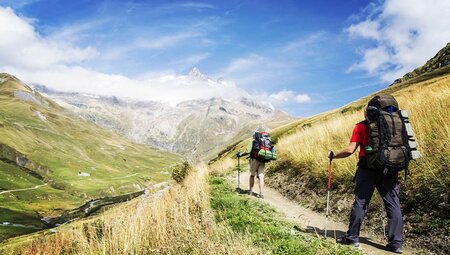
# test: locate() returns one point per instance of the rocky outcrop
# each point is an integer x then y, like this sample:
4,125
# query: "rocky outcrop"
440,62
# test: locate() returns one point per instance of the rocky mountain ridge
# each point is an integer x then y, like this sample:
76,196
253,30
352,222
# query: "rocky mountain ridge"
439,63
197,128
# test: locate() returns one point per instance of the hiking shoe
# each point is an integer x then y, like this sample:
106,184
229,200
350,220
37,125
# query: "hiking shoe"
394,249
250,192
261,196
344,240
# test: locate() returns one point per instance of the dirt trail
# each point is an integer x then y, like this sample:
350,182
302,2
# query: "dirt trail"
314,222
15,190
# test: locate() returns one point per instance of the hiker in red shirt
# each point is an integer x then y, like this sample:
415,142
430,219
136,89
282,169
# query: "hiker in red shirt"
366,180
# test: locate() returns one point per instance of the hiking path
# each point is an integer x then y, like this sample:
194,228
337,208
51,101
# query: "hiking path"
314,222
15,190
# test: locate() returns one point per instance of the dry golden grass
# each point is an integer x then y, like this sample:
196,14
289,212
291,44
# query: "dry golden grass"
311,145
177,221
222,167
429,106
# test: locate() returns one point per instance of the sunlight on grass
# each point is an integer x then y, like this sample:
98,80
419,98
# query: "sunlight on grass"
176,221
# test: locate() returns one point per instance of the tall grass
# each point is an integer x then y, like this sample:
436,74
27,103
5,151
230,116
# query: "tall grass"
222,167
177,221
429,107
425,194
309,146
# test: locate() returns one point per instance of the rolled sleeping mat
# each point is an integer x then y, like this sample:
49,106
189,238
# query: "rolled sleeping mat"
266,154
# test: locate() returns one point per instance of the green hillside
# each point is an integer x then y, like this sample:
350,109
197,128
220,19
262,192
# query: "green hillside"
302,146
41,145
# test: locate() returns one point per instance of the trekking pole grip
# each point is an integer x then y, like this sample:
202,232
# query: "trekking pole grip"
331,155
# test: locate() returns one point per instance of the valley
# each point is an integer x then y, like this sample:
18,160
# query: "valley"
62,160
51,162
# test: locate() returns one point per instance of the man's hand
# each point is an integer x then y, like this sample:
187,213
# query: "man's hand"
331,155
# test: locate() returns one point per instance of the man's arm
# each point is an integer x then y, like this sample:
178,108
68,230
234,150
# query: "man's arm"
347,151
248,150
244,154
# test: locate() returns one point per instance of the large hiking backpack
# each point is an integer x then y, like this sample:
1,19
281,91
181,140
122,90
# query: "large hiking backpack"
390,144
262,147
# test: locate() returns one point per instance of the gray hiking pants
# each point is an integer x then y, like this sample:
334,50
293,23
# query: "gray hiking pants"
387,186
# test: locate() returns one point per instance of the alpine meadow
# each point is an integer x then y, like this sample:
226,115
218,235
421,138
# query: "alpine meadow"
224,127
301,175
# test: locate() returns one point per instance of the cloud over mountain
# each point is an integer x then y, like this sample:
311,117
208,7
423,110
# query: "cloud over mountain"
403,34
58,63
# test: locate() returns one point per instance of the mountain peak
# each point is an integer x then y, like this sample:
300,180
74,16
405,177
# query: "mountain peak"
9,81
6,76
195,73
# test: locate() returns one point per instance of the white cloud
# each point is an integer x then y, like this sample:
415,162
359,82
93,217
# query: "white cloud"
283,64
156,43
374,60
78,31
304,43
302,98
167,88
255,69
245,64
191,60
188,5
58,63
21,46
406,34
282,96
285,96
366,29
50,61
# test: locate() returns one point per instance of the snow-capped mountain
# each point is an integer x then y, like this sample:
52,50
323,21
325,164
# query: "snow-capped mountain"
198,128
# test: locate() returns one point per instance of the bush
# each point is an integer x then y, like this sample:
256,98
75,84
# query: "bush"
180,171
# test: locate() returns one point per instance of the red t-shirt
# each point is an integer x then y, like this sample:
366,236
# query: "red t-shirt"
361,136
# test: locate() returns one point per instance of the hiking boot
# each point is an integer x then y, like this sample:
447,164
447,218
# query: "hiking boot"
261,195
394,249
250,192
344,240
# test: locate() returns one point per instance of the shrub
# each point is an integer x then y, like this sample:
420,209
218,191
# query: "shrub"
180,171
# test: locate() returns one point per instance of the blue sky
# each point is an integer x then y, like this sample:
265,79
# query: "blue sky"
304,57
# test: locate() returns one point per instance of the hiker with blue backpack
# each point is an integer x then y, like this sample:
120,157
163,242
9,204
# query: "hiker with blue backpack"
386,146
261,151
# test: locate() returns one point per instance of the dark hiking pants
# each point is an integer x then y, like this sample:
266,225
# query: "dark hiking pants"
388,188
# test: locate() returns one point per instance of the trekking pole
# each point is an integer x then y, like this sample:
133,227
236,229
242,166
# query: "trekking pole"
238,155
382,208
331,154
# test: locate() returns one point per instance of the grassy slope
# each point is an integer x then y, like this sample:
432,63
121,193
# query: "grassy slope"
201,215
64,146
303,145
176,221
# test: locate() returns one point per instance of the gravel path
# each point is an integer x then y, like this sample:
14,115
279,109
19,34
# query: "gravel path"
314,222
